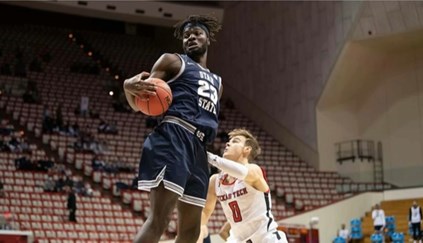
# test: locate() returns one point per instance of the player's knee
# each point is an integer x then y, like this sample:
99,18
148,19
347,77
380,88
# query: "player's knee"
159,222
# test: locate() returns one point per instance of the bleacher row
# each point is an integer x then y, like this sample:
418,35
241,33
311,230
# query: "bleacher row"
46,215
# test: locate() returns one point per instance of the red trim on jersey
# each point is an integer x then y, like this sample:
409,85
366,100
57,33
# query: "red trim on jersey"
223,180
265,177
264,173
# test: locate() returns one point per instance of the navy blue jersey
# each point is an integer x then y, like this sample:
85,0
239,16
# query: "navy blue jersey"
195,93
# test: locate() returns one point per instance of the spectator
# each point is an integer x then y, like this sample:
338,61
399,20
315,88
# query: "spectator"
112,128
88,190
71,204
14,145
23,163
6,128
79,186
7,222
49,184
2,194
25,146
97,163
48,123
75,127
344,233
414,219
60,183
69,181
102,126
83,107
59,116
106,128
4,147
45,164
378,216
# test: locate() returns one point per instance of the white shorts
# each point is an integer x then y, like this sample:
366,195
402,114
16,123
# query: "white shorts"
274,237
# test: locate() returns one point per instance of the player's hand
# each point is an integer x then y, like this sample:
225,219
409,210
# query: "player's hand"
203,233
138,86
211,158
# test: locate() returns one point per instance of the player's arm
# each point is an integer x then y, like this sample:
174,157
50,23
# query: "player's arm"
255,178
210,204
166,67
250,173
204,232
224,231
220,91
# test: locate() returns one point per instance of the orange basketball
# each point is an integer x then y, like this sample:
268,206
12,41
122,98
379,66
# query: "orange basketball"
156,105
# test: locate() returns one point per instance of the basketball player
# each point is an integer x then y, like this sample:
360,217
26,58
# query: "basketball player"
243,192
174,159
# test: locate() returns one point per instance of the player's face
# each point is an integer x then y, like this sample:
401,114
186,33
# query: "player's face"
195,41
235,149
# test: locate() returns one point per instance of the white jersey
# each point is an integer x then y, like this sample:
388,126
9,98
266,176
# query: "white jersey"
248,211
415,215
378,216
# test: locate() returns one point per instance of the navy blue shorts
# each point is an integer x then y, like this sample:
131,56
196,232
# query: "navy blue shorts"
175,156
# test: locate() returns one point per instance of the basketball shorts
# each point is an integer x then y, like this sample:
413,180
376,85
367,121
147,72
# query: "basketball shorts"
174,155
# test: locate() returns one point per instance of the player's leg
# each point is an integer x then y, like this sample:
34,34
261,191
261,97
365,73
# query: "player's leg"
161,172
191,204
189,222
162,202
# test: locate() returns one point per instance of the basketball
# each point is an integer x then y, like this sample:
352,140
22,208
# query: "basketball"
156,105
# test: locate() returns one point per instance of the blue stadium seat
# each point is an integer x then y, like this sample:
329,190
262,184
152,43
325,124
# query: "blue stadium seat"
376,238
356,231
356,235
397,237
339,240
355,222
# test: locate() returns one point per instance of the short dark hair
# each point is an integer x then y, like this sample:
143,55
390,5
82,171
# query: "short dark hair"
212,24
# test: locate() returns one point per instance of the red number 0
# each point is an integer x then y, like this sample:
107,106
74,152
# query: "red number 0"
236,212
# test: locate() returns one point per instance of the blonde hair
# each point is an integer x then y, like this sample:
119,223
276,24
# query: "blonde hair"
250,141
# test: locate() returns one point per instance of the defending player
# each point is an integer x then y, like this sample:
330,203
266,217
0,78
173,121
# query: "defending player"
243,192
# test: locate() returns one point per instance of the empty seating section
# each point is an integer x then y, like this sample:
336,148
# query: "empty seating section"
99,219
135,55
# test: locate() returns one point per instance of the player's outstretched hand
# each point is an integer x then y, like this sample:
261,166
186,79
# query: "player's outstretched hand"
212,158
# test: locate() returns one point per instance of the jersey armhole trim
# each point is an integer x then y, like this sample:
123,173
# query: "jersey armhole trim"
180,70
